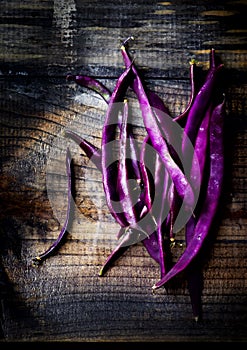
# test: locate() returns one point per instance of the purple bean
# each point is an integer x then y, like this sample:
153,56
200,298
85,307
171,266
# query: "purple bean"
211,201
50,250
200,152
147,162
92,152
200,105
194,273
181,117
194,270
91,83
159,108
178,177
118,250
125,195
108,136
196,172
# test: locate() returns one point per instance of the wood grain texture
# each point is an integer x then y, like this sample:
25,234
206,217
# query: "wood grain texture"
64,299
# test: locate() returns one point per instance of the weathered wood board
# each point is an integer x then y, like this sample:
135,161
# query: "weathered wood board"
64,299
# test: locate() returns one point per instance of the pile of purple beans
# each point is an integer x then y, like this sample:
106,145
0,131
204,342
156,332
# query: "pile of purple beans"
172,182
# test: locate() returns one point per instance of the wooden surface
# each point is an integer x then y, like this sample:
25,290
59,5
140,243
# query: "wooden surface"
64,299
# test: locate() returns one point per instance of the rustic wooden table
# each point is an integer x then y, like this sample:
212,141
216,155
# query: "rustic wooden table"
64,299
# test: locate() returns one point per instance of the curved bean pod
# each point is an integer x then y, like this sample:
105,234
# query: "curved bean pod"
91,83
200,104
38,259
181,182
125,195
90,150
108,136
194,272
181,117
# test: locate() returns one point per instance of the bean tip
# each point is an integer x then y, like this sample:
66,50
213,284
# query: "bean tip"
154,288
193,61
69,77
101,272
196,318
36,261
128,39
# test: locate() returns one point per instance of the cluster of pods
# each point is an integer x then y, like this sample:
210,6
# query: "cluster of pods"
172,181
